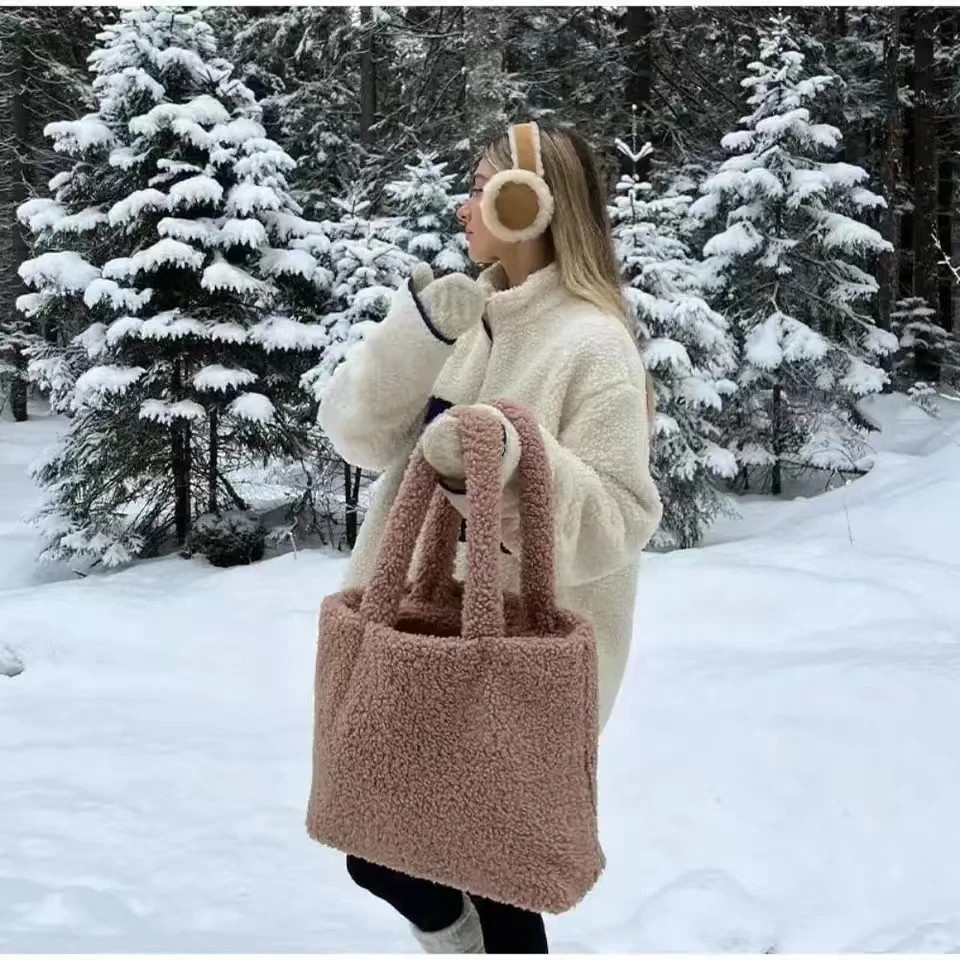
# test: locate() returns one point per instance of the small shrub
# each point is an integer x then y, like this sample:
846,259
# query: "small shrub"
229,539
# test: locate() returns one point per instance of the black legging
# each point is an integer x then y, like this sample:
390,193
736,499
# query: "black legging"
432,907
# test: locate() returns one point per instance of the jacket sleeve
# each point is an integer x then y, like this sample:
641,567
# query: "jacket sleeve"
606,504
373,406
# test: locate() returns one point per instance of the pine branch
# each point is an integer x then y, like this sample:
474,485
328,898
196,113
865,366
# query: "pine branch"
679,88
234,496
945,260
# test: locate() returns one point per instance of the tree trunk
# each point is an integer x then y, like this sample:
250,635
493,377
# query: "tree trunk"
946,191
19,249
368,76
638,24
181,482
776,418
212,465
925,166
18,398
949,39
925,270
890,262
484,106
955,246
351,486
180,464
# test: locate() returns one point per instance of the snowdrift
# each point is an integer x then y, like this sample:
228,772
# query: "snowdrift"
780,772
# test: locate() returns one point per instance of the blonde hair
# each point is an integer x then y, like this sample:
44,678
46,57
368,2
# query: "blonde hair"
580,229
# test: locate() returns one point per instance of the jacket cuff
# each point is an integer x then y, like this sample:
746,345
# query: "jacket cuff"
457,491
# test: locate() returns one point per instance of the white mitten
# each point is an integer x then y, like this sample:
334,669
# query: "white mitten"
421,277
451,305
443,447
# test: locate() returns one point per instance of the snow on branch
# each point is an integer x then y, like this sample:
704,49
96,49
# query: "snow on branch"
97,383
65,270
75,136
221,275
217,377
168,252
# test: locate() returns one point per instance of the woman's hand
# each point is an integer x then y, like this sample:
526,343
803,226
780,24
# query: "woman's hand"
449,306
372,407
443,447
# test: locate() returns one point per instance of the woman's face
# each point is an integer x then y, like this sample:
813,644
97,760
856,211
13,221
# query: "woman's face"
481,244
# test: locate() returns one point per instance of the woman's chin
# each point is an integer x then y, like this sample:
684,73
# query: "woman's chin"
478,256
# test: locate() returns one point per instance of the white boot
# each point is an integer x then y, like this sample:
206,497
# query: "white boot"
464,936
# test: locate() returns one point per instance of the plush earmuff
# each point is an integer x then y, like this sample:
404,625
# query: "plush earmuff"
517,204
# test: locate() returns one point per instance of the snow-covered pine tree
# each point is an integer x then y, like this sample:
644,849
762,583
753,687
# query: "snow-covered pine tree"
366,269
42,66
687,349
788,264
425,204
302,63
929,355
19,341
199,300
573,63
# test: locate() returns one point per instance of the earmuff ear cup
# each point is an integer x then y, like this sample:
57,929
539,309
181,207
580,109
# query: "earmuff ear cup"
516,205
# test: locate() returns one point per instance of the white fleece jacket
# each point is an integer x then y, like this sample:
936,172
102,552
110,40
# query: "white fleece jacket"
579,372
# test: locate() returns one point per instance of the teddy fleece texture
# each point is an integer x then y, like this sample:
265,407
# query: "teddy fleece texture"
579,372
456,728
516,205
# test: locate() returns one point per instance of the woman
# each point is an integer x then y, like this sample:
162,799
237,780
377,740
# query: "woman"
545,325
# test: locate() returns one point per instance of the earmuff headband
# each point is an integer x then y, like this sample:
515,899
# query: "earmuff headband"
517,204
525,148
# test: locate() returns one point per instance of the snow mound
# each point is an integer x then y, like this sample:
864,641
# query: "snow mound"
930,938
10,663
703,911
901,509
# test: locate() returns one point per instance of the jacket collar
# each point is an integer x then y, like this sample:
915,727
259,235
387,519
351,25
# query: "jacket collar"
515,307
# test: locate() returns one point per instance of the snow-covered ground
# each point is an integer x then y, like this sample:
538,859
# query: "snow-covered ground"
781,771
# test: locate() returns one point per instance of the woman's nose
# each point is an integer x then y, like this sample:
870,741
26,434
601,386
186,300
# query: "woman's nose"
463,213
